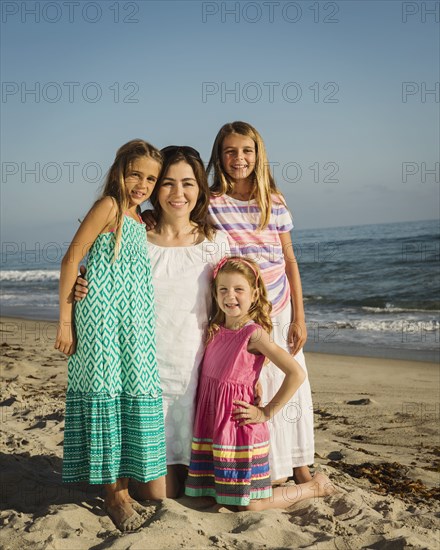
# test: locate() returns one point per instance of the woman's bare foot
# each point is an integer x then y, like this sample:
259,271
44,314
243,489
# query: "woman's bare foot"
302,474
279,481
123,515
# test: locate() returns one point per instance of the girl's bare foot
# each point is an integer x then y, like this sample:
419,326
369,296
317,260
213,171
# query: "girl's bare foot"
324,487
145,512
288,495
123,515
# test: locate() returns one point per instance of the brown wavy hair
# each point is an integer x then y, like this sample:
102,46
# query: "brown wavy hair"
199,214
114,184
259,310
264,182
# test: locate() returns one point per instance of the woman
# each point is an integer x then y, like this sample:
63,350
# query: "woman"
183,249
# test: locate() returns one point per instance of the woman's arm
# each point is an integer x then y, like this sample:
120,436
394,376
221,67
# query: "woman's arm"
149,219
96,221
297,331
260,342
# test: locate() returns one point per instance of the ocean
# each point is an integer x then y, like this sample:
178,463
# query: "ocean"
370,290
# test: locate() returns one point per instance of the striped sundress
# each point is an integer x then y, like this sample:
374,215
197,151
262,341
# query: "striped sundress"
114,420
228,462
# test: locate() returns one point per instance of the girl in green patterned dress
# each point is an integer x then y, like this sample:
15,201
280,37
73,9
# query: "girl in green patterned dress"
114,421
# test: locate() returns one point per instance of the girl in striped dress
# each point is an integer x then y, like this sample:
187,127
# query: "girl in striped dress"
247,205
230,445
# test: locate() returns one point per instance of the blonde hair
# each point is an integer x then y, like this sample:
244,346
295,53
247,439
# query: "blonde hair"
260,308
264,183
114,185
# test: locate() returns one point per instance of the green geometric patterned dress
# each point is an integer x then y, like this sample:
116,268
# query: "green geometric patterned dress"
114,421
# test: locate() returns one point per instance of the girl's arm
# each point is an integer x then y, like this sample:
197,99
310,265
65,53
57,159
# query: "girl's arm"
297,336
260,342
96,221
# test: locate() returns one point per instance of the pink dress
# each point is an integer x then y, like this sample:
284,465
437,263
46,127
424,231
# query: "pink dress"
228,462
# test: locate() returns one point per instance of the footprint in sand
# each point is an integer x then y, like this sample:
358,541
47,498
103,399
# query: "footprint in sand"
364,401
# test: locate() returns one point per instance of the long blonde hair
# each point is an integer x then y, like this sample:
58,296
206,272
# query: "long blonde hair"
114,185
260,308
264,182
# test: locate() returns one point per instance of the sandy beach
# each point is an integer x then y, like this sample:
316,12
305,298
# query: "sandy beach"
377,437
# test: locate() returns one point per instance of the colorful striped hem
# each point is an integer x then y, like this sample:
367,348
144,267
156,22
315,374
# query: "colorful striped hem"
107,438
233,475
228,499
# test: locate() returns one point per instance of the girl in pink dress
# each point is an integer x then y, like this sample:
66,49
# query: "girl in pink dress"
230,445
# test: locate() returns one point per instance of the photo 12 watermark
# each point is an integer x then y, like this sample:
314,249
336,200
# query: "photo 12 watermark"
25,253
320,172
70,12
319,251
323,332
421,12
420,172
27,332
419,251
421,411
36,253
269,92
69,92
316,252
422,332
51,172
270,12
420,92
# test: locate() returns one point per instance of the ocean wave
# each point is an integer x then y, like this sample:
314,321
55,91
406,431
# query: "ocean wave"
312,298
38,275
375,304
400,325
30,299
389,308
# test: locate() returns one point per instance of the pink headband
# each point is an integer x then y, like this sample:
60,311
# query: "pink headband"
225,260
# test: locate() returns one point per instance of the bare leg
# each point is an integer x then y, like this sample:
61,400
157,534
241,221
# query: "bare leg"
118,506
283,497
174,481
302,474
153,490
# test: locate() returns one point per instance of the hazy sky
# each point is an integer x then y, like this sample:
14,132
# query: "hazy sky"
345,95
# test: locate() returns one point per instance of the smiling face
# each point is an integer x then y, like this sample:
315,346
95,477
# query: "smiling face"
234,297
238,156
140,179
178,191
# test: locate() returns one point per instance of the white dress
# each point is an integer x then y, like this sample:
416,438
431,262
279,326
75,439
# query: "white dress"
182,277
292,441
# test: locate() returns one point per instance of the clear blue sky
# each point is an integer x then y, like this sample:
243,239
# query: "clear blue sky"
336,111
